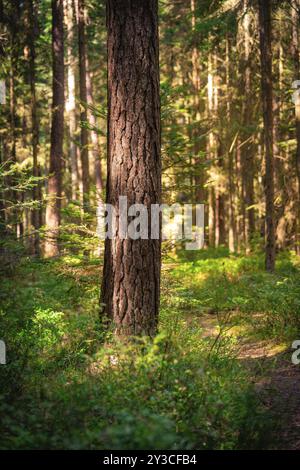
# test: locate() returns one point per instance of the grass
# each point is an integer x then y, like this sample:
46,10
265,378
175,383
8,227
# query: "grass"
64,387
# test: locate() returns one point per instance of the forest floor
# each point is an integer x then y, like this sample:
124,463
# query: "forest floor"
267,357
276,379
218,375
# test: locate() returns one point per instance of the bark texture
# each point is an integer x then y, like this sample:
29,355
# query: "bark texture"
131,278
57,131
247,150
267,100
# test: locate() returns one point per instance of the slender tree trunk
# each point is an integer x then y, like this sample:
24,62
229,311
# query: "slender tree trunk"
247,151
220,234
267,100
71,103
2,203
14,22
295,14
84,151
94,135
199,177
34,123
230,145
211,152
281,196
12,93
57,131
131,277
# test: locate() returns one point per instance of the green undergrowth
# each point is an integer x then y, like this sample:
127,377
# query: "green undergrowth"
68,386
238,289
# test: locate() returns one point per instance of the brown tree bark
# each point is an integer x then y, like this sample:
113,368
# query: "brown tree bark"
247,151
220,229
198,144
84,141
229,155
94,135
131,276
13,215
57,131
295,14
267,100
71,102
211,152
36,193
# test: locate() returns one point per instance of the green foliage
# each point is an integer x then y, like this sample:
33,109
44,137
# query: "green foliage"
214,281
64,387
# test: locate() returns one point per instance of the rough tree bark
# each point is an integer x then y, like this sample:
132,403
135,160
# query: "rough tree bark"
57,131
267,100
131,276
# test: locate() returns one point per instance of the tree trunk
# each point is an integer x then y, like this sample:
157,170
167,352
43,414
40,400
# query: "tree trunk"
229,156
94,135
14,22
295,53
71,103
84,151
36,196
267,100
198,148
57,131
211,153
131,277
220,230
247,151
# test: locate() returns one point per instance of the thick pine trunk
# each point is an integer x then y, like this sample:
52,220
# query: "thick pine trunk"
267,100
131,277
57,131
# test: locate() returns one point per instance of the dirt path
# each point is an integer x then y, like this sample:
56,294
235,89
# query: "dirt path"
276,379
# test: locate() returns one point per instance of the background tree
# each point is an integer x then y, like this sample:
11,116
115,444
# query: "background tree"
267,99
84,151
57,131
